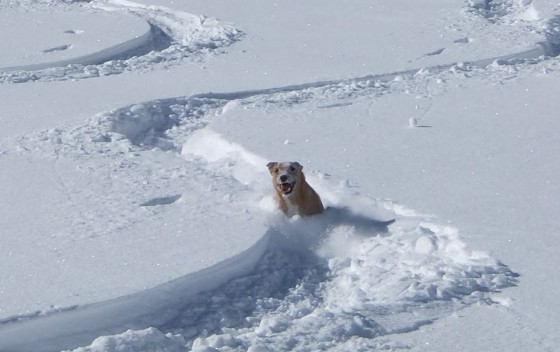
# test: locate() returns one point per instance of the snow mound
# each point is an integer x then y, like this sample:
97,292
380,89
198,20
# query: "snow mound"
149,340
506,11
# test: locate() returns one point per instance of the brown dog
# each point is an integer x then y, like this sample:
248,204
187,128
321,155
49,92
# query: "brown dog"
294,194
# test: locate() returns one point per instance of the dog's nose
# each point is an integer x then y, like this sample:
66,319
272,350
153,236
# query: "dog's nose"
283,178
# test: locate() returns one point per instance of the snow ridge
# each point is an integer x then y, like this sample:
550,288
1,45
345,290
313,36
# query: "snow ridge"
189,32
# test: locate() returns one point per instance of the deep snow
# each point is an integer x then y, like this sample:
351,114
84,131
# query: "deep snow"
132,209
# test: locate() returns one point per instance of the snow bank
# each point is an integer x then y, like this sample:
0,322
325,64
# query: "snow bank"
149,340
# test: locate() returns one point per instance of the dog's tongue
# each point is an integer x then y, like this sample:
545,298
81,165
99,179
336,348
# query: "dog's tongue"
286,187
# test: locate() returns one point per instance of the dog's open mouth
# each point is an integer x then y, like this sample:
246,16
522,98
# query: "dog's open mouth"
286,187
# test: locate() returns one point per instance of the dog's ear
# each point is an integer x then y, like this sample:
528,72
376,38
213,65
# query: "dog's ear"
298,165
271,165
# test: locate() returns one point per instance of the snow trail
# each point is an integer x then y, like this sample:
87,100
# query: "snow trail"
341,275
173,36
339,281
326,282
331,282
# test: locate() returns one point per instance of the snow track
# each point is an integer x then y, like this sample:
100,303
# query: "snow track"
342,275
175,36
170,38
82,47
339,281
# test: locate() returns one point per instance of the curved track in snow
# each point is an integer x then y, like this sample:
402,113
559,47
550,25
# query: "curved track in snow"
75,39
169,38
338,275
175,36
336,281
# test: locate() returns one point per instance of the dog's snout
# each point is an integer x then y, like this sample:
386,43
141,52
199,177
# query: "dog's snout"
283,178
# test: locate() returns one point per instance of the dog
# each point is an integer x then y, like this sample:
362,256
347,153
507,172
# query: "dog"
294,195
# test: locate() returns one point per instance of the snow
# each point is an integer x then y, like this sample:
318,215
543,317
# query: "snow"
138,212
83,38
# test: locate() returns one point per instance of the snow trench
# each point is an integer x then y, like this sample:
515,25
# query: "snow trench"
340,281
343,280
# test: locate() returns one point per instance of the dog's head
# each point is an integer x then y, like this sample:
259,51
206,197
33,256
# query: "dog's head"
285,175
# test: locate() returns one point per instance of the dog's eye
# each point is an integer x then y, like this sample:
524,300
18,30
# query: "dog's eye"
276,170
292,168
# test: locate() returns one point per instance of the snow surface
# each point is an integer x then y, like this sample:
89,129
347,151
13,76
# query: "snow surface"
138,214
84,38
